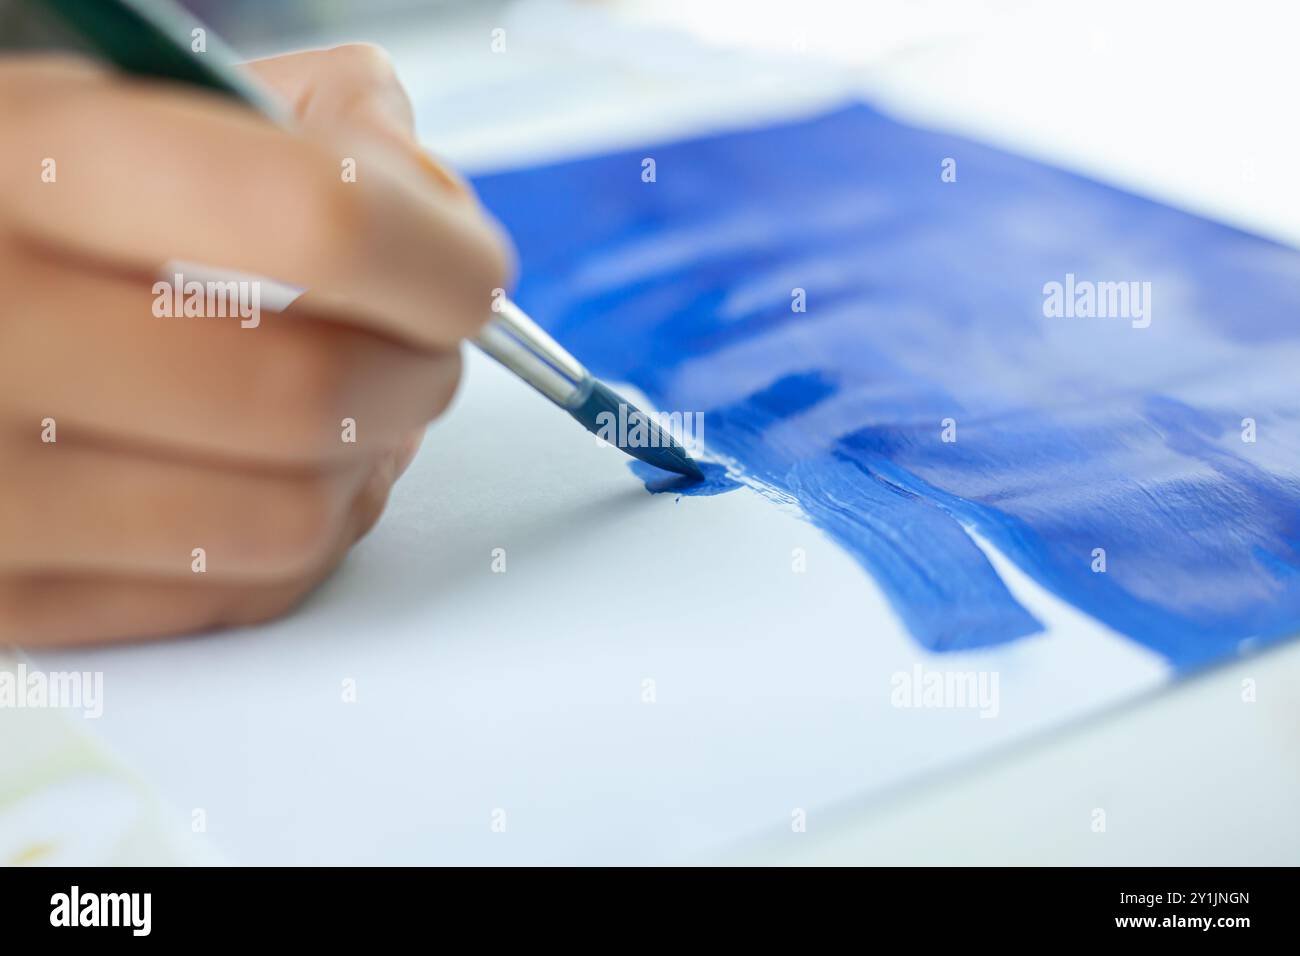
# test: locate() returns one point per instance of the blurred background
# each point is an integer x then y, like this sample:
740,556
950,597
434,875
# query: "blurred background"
1185,101
1188,102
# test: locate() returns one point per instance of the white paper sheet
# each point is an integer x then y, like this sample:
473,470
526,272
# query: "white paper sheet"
519,698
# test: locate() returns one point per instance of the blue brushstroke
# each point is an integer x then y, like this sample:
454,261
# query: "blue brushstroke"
925,303
657,481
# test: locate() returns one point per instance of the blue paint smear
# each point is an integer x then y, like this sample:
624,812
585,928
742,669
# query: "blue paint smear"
924,303
657,481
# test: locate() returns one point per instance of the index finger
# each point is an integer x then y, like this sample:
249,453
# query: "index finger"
147,174
353,86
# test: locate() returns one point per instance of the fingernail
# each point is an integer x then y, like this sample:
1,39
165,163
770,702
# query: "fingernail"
441,174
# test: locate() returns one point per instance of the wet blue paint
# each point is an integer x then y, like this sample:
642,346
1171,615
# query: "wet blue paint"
657,481
925,303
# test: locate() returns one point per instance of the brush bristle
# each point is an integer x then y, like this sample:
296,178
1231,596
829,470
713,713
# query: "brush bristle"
599,414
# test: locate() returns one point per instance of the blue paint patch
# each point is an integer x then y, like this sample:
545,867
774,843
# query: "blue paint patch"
657,481
1121,437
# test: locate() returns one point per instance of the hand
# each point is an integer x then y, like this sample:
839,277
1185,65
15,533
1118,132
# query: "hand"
168,474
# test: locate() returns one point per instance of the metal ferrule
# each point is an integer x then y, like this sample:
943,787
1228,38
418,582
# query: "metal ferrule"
518,343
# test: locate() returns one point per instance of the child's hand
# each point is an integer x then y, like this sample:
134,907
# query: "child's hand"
129,441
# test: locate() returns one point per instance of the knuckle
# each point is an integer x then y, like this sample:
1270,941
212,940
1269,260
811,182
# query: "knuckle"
12,521
489,266
364,59
29,606
326,214
305,377
297,532
444,384
258,606
301,382
12,604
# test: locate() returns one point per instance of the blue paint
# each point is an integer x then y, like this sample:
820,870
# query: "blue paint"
925,302
657,481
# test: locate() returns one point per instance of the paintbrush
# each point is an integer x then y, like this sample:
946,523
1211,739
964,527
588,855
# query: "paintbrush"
152,38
